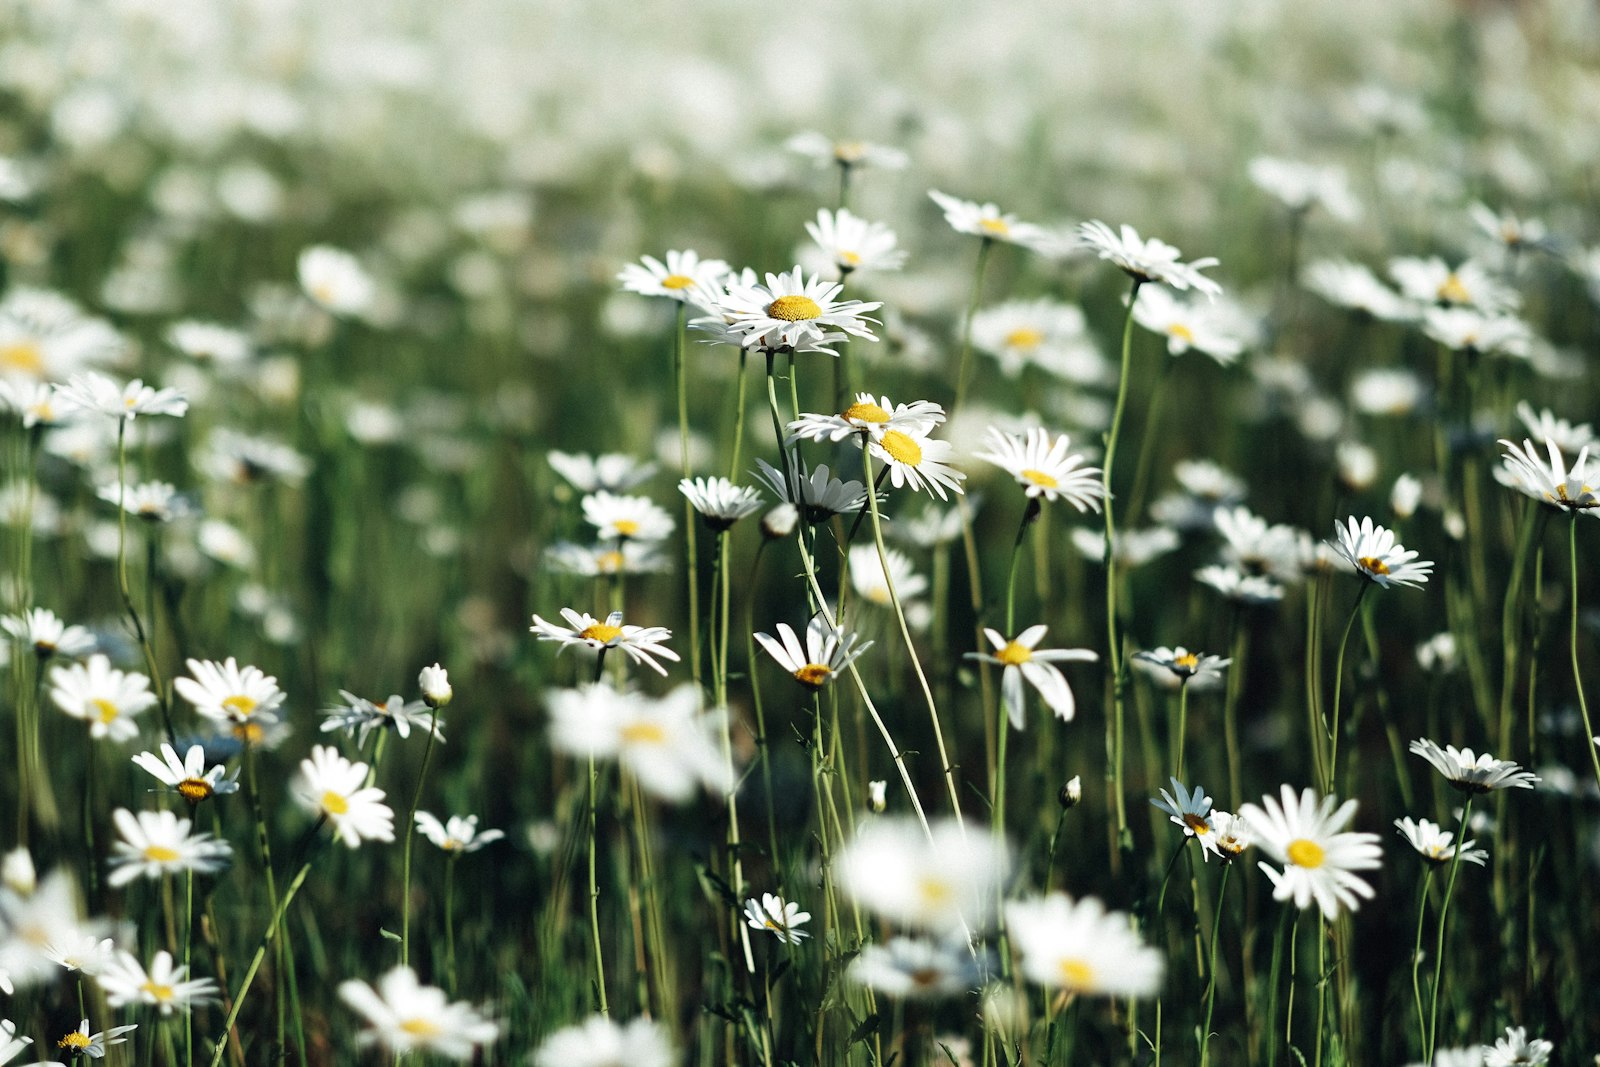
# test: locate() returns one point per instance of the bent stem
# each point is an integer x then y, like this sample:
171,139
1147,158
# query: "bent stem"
1113,631
1444,926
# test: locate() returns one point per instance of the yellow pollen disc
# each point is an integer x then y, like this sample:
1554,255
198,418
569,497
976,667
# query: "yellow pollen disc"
1181,332
1076,974
22,356
794,308
600,632
925,976
813,675
323,293
902,448
335,803
849,259
76,1039
934,893
1014,655
1304,853
1451,291
1039,478
160,854
676,281
420,1028
159,992
849,151
239,706
865,411
105,709
643,733
1025,337
1188,661
879,594
251,733
626,527
610,562
1197,824
1373,564
194,789
997,227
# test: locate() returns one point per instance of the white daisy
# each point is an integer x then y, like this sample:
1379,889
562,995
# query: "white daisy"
1470,772
1150,260
96,394
599,1042
189,777
1546,425
208,342
1040,463
335,280
853,243
916,969
153,502
668,744
639,643
165,986
1433,281
624,557
226,693
1022,660
81,1042
106,698
635,518
825,151
1041,333
1188,667
1079,947
817,493
869,416
1190,811
679,278
789,312
615,472
1570,489
1319,857
333,788
1231,833
917,462
155,844
359,716
827,651
1462,328
1236,585
46,337
1302,186
459,836
1218,328
1354,286
1436,845
772,913
43,631
1377,556
870,583
720,502
403,1015
933,882
1516,1050
987,221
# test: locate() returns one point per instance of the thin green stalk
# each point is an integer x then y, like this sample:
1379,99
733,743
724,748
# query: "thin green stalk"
1577,673
997,789
1113,630
738,417
1183,725
963,367
594,892
188,959
1416,960
1338,682
411,826
450,921
1444,927
681,381
267,939
1211,967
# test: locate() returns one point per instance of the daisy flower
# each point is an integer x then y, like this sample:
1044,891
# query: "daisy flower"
360,716
32,402
1150,260
827,651
335,280
817,493
1218,328
10,1043
987,221
46,337
636,518
933,882
1470,772
99,395
1354,286
1192,812
154,502
1022,660
1461,329
853,243
248,459
208,342
1040,463
1042,333
1079,947
1188,667
189,777
916,969
155,844
720,502
668,744
590,561
106,698
1515,1050
403,1015
825,151
1434,844
615,472
88,954
1433,281
599,1042
333,788
1506,229
164,986
918,462
1544,425
789,312
773,913
459,836
679,278
869,581
1377,556
81,1042
1570,489
639,643
43,631
1238,586
1303,186
226,693
1319,857
870,417
1231,834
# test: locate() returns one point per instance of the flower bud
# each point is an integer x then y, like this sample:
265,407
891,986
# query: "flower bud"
435,684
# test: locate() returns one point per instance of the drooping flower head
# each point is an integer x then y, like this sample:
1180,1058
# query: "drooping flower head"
1150,260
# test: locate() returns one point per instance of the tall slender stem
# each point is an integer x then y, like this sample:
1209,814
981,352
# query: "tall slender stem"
1211,968
1416,960
1113,630
680,379
1577,673
594,893
963,369
411,826
1444,927
255,962
1338,682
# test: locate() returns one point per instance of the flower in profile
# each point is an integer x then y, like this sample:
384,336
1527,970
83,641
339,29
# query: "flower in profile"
1462,329
226,693
1023,660
98,395
1040,463
434,682
720,502
871,582
791,313
1192,812
853,243
987,221
1231,833
599,1042
403,1015
335,280
1216,327
1354,286
247,459
680,278
817,494
81,1042
668,744
784,919
1377,556
1470,772
1150,260
933,882
1545,425
359,716
164,986
208,342
459,836
1240,587
641,644
1302,186
189,777
615,472
1079,947
1515,1050
1318,855
1435,845
591,561
1187,667
333,788
32,402
154,502
43,631
1570,489
824,151
870,417
909,968
634,518
827,651
104,697
155,844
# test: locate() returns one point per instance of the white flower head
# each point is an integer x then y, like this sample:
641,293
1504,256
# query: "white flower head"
459,836
599,1042
1080,947
783,919
827,651
1435,844
1024,661
1041,464
434,682
335,280
1470,772
403,1015
1319,857
333,788
852,243
1150,260
165,986
789,313
1377,556
96,394
988,221
189,777
641,644
155,844
680,278
931,882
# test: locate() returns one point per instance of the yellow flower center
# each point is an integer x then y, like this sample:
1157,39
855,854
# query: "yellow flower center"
1188,661
1014,655
194,790
610,562
239,705
105,709
676,281
849,151
994,227
1451,291
1025,337
902,448
923,977
601,632
1372,565
1304,853
22,356
626,527
250,733
934,893
421,1028
864,411
849,259
335,803
813,675
1181,332
1197,824
794,308
1076,974
76,1039
643,733
324,292
1039,478
160,854
161,993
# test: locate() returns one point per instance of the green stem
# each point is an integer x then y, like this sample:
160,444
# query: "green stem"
255,962
985,246
1338,682
594,894
1211,968
1577,674
450,920
1416,960
681,380
411,825
1113,630
1444,927
1183,725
